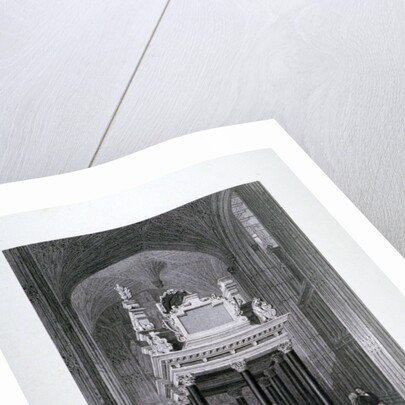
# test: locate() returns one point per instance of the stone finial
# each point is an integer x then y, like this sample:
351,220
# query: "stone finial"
239,366
124,292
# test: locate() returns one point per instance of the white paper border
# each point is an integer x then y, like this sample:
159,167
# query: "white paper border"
166,176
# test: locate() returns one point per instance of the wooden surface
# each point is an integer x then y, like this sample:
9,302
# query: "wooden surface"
74,94
63,68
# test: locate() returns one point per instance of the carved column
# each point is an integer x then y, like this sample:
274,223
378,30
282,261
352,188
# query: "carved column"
299,367
299,375
263,275
266,383
282,389
293,379
257,390
386,355
186,383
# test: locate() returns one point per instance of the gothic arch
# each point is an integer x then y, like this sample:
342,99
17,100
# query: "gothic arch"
330,334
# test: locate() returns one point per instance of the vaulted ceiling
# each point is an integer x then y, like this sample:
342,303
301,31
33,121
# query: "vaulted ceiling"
67,262
148,275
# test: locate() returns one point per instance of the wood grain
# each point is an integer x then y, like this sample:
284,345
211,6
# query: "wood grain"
63,68
331,72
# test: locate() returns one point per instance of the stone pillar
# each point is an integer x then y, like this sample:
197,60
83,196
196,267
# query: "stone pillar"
297,383
250,380
384,352
282,391
237,395
266,383
299,376
186,383
275,388
260,274
282,387
299,367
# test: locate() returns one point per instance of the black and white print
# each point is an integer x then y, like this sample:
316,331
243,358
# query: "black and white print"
220,301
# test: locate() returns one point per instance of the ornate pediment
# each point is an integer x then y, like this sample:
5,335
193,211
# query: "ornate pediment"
197,317
214,333
191,317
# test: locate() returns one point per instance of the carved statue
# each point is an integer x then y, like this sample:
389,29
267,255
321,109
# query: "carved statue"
124,292
264,311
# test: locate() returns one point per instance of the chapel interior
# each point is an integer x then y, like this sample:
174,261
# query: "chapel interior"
234,246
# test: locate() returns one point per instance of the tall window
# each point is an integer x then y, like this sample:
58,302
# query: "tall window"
252,225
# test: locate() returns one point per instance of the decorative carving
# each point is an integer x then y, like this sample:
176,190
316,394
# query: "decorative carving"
264,311
241,344
157,344
140,321
197,321
225,310
285,347
170,323
229,290
185,380
237,307
172,299
124,292
239,366
182,391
